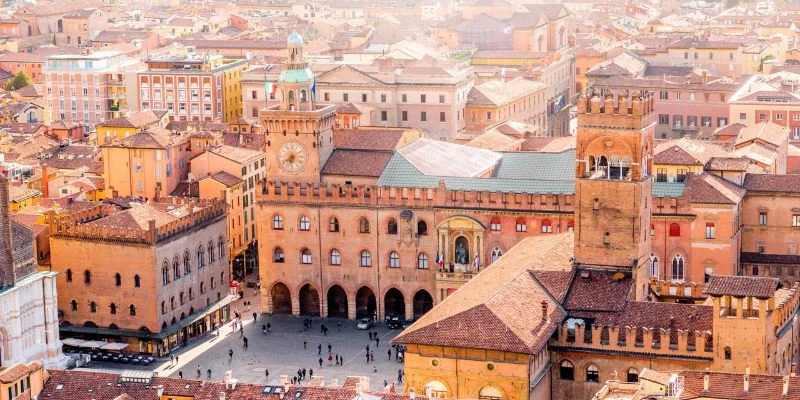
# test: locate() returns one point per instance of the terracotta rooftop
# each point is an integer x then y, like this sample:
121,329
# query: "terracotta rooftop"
765,258
772,183
675,155
226,179
13,373
598,290
712,189
372,138
725,385
369,163
727,164
742,286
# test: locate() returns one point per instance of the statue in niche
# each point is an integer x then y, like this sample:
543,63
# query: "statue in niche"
462,256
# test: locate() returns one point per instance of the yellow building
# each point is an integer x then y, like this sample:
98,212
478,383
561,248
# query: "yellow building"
22,197
22,381
122,127
232,92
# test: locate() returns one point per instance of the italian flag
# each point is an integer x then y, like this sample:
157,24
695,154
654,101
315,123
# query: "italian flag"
270,87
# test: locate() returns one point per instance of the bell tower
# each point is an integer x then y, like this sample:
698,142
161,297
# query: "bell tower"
299,133
613,186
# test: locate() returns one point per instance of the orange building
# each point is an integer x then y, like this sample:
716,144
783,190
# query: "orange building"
173,287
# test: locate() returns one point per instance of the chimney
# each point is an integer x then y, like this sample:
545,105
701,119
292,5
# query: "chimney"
284,379
544,310
412,395
746,380
705,77
334,382
706,380
160,390
785,386
228,376
359,387
222,396
794,369
45,183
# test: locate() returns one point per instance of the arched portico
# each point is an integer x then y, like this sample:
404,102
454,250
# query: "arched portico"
460,240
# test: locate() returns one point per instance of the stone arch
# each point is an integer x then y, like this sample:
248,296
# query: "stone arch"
437,389
308,297
460,216
366,303
337,302
5,346
491,393
281,298
423,302
394,302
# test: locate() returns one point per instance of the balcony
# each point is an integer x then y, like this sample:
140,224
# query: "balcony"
684,128
459,277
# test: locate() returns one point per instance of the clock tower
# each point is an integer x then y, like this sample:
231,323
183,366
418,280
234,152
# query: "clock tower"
299,133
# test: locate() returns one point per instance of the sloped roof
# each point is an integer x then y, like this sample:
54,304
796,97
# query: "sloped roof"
712,189
772,183
742,286
675,155
768,131
434,157
369,163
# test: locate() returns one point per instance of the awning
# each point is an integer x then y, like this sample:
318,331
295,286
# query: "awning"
72,342
92,344
114,346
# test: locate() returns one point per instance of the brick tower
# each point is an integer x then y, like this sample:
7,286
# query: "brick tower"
299,132
613,185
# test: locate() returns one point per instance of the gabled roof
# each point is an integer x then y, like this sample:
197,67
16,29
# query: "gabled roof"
675,155
712,189
772,183
742,286
366,163
225,178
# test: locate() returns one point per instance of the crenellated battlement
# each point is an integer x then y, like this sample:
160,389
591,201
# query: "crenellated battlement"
631,339
367,195
680,289
623,110
787,309
75,225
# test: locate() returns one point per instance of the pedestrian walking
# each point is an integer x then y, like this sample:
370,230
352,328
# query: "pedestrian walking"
266,372
319,349
305,344
321,328
329,347
371,356
377,340
254,317
324,330
208,373
337,359
269,327
310,373
385,383
176,360
304,373
367,357
171,359
367,348
180,374
199,372
330,357
389,353
339,325
400,375
241,329
245,342
320,362
230,353
370,336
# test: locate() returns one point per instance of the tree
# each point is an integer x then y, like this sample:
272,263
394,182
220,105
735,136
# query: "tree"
21,80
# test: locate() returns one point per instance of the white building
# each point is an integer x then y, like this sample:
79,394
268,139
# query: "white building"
28,306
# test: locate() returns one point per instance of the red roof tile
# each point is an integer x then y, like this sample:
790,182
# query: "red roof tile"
356,162
742,286
598,290
772,183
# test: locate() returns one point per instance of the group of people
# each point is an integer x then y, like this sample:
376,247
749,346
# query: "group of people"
301,374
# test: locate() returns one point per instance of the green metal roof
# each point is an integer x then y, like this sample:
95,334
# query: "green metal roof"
516,173
668,189
297,75
294,38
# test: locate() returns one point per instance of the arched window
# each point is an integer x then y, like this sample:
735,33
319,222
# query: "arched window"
118,279
570,226
677,268
522,225
221,247
202,287
566,371
172,303
365,259
164,306
176,268
422,261
69,275
277,222
303,97
391,227
422,227
165,272
363,225
305,256
132,309
592,373
87,276
333,225
187,263
93,307
494,224
654,270
652,229
113,308
137,282
201,256
394,259
191,295
728,353
210,249
305,223
336,257
633,375
674,230
277,255
490,393
547,226
496,253
74,305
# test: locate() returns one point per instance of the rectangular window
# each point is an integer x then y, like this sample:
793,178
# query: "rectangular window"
761,247
442,117
663,95
762,218
682,175
661,175
722,122
796,220
404,98
326,96
441,99
779,116
762,116
710,230
488,115
383,98
796,133
363,97
663,119
254,94
384,116
345,97
423,116
742,116
422,98
404,115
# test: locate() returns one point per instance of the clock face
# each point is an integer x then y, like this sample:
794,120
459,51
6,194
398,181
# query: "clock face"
292,157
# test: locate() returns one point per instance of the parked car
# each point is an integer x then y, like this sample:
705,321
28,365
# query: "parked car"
394,323
408,322
364,324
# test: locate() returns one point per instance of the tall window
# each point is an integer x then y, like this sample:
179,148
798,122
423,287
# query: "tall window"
654,271
728,353
710,230
187,268
592,373
277,255
118,279
677,268
277,222
394,260
762,218
333,225
132,309
336,257
796,220
305,223
165,272
632,375
496,254
69,275
521,225
674,230
93,307
201,257
176,268
221,247
422,261
363,225
366,259
494,224
547,226
210,249
566,371
391,227
113,308
305,256
422,227
74,305
137,282
87,276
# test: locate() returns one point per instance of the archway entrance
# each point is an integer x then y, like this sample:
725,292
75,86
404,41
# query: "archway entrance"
281,299
394,303
337,302
309,300
365,303
423,302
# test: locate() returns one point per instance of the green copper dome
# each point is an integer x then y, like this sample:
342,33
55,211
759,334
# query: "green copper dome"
294,38
297,75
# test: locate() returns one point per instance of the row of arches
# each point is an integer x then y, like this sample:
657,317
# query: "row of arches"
612,168
340,304
304,224
676,271
591,373
112,307
175,272
335,258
